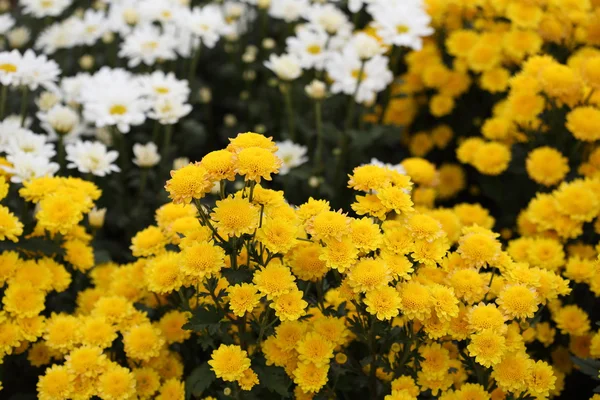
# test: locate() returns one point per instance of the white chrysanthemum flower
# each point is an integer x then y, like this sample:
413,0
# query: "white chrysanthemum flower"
309,45
91,27
291,154
146,44
61,121
10,66
327,16
124,16
169,110
288,10
183,40
180,162
57,36
356,5
401,23
345,68
23,141
38,70
29,166
286,66
163,11
44,8
91,157
18,37
6,23
146,155
112,97
71,87
158,84
206,23
366,46
10,127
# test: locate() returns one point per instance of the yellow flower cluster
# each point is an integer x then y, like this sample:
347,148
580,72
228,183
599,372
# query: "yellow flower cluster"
316,281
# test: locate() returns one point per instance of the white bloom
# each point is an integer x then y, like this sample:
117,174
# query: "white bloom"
57,36
158,84
291,154
286,66
394,167
30,166
8,128
145,45
18,37
44,8
10,66
146,155
71,86
168,110
123,16
61,121
327,16
345,68
112,97
92,26
288,10
23,141
163,11
180,162
6,23
182,38
309,46
356,5
366,46
46,100
316,89
207,24
401,23
38,71
91,157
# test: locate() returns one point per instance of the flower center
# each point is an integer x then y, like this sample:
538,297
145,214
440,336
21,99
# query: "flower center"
118,109
166,14
8,67
150,45
359,75
161,90
46,3
402,29
314,49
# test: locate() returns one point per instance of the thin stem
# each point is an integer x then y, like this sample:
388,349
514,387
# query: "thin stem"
24,98
143,180
289,107
3,97
319,126
167,140
373,369
194,64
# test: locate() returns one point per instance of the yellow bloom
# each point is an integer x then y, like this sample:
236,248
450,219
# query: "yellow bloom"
492,158
10,226
79,254
188,183
220,165
518,301
304,260
243,298
541,379
147,382
277,235
582,123
62,332
86,361
274,280
329,225
163,273
248,380
396,199
148,242
512,372
547,166
415,300
572,320
256,163
202,260
229,362
116,383
383,302
23,300
486,317
315,349
171,389
479,247
289,306
55,384
369,274
143,342
251,139
487,347
235,216
310,377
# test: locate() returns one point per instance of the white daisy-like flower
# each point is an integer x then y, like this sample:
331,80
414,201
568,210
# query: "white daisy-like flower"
71,87
158,84
345,69
184,41
18,37
286,66
291,154
401,23
10,127
29,166
10,66
206,23
146,155
124,16
163,11
6,23
112,97
288,10
356,5
44,8
27,142
57,36
91,27
38,70
61,121
91,157
366,46
309,45
327,16
169,110
146,44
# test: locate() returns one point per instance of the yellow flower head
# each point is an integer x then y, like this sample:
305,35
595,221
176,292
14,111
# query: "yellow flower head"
487,347
572,320
582,123
220,165
56,383
369,274
305,261
10,226
415,300
147,382
290,306
274,280
148,242
163,272
277,235
310,377
201,260
512,372
314,348
243,298
229,362
383,302
518,301
143,342
235,216
116,383
256,163
23,300
188,183
251,139
329,225
546,166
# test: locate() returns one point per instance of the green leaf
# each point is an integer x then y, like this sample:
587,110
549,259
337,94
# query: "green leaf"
204,318
588,366
274,379
198,381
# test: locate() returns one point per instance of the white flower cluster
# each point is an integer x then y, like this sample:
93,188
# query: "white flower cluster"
28,70
353,61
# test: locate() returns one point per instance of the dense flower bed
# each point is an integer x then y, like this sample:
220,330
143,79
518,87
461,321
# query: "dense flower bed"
384,199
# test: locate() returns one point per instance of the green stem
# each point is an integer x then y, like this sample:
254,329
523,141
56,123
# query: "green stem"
24,99
3,97
319,286
143,180
289,107
167,140
373,369
194,64
319,126
155,132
